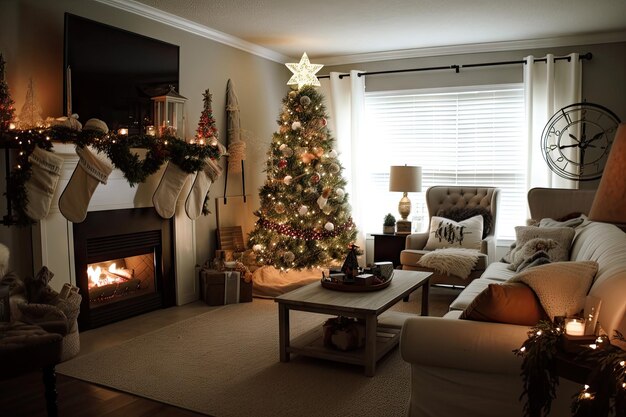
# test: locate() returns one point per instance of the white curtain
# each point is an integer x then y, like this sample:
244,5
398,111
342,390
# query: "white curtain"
345,98
548,86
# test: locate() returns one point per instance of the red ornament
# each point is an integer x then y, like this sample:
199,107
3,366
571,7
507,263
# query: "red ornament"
315,178
282,163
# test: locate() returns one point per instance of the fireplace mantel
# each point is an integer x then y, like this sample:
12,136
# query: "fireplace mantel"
53,240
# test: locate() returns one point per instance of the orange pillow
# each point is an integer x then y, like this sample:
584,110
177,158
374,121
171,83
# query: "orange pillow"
509,302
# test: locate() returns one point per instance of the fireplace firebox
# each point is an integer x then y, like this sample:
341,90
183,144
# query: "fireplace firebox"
123,264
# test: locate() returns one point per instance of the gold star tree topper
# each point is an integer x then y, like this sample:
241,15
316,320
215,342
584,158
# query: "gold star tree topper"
304,72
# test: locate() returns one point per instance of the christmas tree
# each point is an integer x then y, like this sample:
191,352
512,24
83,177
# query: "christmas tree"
7,111
30,116
207,131
304,218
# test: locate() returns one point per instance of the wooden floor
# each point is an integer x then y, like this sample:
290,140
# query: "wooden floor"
23,396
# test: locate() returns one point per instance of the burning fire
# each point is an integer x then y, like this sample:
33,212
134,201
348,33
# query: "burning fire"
99,277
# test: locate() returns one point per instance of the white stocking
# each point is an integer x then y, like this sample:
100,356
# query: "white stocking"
40,187
166,194
200,188
89,172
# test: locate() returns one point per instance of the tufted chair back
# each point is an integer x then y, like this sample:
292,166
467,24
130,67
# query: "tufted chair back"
444,196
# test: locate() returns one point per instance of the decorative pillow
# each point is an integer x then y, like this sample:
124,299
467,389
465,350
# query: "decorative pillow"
462,213
560,286
508,302
548,247
562,235
446,233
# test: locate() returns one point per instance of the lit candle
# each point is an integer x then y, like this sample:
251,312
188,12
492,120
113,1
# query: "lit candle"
575,327
123,131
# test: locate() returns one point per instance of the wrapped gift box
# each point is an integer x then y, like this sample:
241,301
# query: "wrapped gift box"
224,287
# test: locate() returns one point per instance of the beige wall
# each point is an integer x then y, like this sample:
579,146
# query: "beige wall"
31,40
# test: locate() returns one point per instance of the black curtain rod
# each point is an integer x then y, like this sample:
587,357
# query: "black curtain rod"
457,68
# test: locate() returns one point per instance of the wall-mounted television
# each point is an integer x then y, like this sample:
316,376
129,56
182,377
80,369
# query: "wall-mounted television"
113,73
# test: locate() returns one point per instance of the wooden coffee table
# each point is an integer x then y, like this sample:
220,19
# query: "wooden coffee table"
363,305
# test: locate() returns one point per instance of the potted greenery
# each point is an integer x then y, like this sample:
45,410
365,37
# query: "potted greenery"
389,224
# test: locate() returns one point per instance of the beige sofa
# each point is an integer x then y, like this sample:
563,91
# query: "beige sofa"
467,368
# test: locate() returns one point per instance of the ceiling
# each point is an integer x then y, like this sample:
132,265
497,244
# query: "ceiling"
337,30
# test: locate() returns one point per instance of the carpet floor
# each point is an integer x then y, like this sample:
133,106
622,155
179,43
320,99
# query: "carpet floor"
225,363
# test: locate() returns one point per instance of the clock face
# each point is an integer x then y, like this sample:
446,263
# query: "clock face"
577,139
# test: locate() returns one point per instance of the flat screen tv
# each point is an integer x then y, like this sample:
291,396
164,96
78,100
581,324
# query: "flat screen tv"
113,73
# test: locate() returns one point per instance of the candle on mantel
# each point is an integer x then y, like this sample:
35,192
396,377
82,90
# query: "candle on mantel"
574,327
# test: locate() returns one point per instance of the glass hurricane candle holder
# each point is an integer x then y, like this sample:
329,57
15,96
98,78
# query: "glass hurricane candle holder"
575,326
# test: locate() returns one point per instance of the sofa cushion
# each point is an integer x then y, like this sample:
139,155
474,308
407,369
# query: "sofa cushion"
507,302
518,253
412,256
446,233
560,286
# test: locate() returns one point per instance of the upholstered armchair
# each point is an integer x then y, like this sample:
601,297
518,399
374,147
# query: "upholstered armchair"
444,199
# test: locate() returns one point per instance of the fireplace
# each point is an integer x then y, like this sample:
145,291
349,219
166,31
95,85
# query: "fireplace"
123,264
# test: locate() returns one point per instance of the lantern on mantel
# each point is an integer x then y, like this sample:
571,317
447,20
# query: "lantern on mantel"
169,113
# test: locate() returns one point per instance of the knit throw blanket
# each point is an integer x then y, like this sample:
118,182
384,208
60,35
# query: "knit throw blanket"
451,261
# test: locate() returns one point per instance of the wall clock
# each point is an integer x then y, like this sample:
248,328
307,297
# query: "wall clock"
576,141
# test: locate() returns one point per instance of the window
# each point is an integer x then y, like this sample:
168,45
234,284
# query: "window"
459,136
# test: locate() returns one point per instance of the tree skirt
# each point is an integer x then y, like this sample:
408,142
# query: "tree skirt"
269,282
451,261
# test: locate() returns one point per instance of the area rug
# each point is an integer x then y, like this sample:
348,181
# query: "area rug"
226,363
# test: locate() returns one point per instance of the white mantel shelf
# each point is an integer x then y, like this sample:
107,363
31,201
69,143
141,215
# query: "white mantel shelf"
53,238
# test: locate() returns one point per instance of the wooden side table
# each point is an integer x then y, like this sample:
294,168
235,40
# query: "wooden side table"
387,247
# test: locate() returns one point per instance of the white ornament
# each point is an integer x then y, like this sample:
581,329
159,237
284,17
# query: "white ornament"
304,72
283,146
332,154
296,125
257,248
303,210
321,201
339,192
289,256
287,152
287,179
329,226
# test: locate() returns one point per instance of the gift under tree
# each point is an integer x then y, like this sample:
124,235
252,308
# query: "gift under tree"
304,218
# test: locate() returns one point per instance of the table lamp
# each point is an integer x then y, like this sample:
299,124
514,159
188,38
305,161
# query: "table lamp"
405,179
610,199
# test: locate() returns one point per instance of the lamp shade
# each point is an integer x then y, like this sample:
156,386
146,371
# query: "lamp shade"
609,203
405,179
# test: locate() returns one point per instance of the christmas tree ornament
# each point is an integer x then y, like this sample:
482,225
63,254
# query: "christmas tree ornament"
305,100
329,226
332,154
40,187
282,163
279,207
321,201
89,172
340,193
281,147
296,125
315,178
200,188
292,94
318,151
327,209
166,195
307,157
287,179
303,210
257,248
289,256
287,151
326,192
333,168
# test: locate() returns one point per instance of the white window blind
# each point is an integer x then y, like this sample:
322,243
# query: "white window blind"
460,136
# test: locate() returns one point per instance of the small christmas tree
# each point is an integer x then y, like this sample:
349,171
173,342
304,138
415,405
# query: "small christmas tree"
30,116
304,218
207,131
7,111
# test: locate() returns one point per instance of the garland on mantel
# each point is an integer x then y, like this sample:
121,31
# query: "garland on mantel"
189,157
